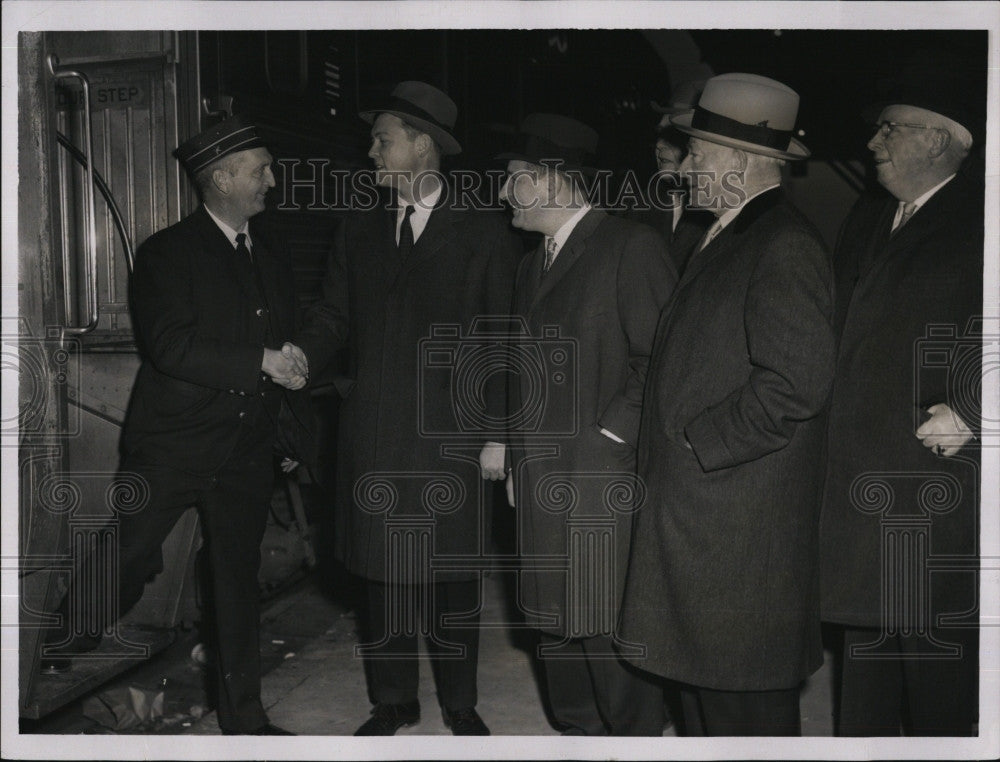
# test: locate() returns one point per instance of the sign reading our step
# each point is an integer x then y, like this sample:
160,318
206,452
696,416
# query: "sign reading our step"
102,96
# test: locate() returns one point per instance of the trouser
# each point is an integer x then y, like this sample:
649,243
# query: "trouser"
391,648
919,693
593,692
233,507
709,712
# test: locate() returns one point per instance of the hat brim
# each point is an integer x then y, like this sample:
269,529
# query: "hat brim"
795,152
564,167
449,146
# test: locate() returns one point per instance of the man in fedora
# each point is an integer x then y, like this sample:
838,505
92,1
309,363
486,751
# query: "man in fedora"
593,289
722,582
212,303
904,415
666,204
398,274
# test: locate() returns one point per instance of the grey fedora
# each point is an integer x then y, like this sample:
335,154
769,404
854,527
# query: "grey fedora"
424,107
746,111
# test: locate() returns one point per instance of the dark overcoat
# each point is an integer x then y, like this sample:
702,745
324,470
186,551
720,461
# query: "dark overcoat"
408,326
722,586
904,304
591,321
681,240
200,323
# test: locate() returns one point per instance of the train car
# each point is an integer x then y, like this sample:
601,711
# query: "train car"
99,115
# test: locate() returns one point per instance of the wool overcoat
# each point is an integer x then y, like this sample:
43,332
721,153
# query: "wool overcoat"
414,415
722,585
590,323
202,325
682,240
906,304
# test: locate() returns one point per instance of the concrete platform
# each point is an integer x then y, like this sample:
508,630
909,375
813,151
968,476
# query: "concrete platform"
320,688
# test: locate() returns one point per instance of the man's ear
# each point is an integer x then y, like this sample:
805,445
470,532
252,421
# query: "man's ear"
940,141
740,160
221,179
422,144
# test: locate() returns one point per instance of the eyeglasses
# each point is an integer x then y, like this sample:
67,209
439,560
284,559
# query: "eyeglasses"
885,128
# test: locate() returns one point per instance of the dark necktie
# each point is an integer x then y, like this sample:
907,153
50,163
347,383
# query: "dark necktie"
243,255
245,260
406,234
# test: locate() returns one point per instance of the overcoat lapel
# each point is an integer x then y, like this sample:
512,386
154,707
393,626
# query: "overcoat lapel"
922,225
877,243
438,232
575,245
730,235
385,243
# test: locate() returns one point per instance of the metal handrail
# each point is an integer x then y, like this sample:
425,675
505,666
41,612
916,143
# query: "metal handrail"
109,199
91,271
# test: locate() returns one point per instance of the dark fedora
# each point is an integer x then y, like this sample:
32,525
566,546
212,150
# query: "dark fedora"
746,111
547,138
229,136
683,98
424,107
947,83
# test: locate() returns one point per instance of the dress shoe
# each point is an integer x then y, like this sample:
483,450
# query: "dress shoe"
465,722
264,730
386,719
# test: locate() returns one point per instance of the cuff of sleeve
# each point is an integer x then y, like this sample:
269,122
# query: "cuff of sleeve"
707,444
621,420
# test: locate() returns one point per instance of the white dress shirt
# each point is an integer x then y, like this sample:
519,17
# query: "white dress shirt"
230,232
919,201
562,234
421,213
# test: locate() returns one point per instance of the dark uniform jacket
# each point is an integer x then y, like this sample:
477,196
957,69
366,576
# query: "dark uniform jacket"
906,305
202,325
722,584
590,322
412,389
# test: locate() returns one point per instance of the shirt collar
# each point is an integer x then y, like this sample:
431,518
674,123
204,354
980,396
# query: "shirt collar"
563,233
424,207
923,198
230,232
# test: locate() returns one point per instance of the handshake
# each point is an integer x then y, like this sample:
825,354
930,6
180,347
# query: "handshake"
287,367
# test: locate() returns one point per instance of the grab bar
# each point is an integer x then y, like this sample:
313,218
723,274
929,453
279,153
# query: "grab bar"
91,269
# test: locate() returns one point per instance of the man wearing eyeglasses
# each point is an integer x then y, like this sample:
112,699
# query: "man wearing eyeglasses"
901,494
